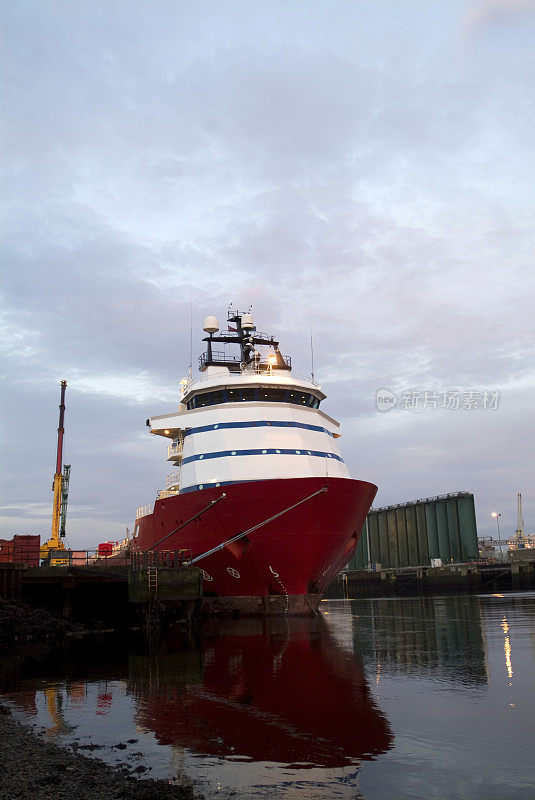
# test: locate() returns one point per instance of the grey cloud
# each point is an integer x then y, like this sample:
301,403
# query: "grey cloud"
284,155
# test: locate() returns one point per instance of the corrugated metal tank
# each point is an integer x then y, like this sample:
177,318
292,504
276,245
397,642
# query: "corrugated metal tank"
412,534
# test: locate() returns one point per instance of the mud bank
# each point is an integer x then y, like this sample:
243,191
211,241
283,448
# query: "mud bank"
41,770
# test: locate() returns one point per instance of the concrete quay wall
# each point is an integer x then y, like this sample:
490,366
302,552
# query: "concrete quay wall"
506,576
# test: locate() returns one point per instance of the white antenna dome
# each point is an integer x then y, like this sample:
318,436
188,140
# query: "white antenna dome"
211,325
247,321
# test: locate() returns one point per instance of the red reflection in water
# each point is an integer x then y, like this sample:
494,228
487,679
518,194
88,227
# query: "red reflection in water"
104,701
279,691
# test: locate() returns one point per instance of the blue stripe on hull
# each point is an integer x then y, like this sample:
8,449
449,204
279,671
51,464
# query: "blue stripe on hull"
256,424
200,486
266,451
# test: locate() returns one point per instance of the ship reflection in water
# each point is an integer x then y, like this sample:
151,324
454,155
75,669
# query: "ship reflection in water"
389,697
270,705
272,690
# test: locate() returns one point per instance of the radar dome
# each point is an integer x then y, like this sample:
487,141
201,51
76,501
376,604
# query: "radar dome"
247,321
211,325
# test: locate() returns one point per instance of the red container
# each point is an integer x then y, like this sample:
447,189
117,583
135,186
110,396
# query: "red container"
26,550
6,551
105,548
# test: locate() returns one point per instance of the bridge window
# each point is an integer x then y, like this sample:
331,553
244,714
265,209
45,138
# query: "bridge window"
266,394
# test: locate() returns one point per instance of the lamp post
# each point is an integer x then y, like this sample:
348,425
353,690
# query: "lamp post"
497,516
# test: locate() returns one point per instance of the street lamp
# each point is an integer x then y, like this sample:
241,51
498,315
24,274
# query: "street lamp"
497,516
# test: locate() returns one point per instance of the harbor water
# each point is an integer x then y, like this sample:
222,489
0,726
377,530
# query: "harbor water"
376,698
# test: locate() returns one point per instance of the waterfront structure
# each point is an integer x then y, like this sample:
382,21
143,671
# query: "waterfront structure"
418,533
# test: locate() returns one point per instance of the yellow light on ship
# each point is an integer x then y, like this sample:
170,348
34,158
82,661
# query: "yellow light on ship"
272,360
494,514
166,432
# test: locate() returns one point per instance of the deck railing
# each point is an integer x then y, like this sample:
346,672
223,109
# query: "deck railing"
142,511
172,480
174,449
160,558
228,378
163,493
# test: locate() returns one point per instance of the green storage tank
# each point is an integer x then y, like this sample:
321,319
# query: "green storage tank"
392,529
403,544
412,534
382,536
432,530
443,532
467,526
421,530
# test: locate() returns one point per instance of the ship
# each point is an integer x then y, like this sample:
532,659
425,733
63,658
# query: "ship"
260,498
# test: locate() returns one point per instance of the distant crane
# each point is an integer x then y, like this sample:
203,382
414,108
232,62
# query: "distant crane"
519,533
60,487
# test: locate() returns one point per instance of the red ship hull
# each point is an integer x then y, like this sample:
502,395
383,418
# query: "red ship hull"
283,566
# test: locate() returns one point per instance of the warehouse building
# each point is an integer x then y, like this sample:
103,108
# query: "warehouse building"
416,533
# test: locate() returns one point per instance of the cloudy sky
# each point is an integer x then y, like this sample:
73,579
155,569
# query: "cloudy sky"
369,162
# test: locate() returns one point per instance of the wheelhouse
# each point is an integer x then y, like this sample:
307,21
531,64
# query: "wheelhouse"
266,394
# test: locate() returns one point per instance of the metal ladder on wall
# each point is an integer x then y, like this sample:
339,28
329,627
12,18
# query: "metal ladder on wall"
152,575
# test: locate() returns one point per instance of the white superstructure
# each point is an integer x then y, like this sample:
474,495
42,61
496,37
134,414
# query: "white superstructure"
247,420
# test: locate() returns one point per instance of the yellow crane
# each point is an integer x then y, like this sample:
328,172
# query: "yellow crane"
59,508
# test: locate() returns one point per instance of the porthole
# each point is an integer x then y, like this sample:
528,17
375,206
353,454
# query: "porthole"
298,452
200,457
277,451
233,453
216,426
264,451
201,486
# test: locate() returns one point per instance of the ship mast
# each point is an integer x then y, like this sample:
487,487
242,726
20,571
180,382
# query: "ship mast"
247,338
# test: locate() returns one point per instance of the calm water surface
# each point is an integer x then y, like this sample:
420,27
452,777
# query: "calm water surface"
394,697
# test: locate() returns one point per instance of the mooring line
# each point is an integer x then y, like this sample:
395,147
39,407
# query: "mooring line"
256,527
198,514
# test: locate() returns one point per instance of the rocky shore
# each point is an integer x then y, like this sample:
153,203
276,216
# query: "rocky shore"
20,622
32,768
